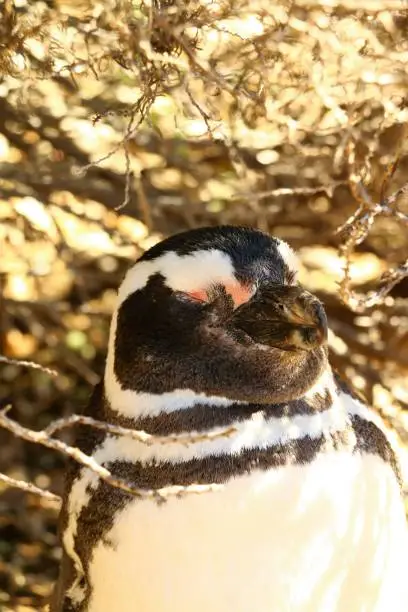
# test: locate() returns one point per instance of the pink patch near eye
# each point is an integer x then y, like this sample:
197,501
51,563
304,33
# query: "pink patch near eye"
240,294
201,296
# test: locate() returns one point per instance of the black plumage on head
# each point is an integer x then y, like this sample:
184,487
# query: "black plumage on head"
165,340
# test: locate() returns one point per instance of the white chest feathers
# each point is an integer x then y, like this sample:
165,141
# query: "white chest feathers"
329,536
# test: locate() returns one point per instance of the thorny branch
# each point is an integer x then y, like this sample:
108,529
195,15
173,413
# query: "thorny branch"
357,227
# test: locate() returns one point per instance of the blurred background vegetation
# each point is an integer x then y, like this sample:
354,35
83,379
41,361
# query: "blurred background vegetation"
123,121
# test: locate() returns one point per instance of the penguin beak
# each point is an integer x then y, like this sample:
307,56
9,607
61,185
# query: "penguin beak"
284,317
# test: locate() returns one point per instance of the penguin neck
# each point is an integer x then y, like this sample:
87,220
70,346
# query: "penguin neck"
131,404
226,427
185,409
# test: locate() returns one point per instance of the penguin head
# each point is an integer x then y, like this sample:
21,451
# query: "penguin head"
216,312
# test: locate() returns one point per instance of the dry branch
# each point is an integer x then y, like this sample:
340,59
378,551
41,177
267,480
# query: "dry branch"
356,229
45,438
28,364
140,436
29,487
290,191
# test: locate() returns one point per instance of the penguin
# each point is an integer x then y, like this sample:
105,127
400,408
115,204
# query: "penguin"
286,496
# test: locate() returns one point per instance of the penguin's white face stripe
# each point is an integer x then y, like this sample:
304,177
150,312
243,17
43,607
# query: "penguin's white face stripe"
289,257
135,404
193,273
196,271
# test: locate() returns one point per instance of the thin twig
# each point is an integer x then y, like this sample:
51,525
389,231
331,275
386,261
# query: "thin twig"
357,227
140,436
286,191
29,488
128,179
28,364
43,438
143,203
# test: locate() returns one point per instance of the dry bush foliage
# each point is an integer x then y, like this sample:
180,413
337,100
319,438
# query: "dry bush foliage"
122,121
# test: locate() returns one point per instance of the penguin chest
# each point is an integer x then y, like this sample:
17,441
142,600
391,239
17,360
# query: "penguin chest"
327,536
